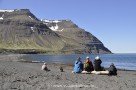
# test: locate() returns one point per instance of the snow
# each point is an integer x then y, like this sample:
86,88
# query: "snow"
32,28
6,10
50,21
56,21
31,18
1,18
66,20
46,20
61,29
54,28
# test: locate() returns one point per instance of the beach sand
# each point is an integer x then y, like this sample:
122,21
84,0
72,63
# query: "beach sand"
15,75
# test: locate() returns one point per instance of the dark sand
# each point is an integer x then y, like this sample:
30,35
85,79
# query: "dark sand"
16,75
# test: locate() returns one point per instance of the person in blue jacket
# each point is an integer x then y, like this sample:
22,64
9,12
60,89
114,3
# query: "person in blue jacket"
78,66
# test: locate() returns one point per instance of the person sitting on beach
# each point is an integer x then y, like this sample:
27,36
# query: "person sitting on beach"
88,66
78,66
97,64
61,69
44,67
112,70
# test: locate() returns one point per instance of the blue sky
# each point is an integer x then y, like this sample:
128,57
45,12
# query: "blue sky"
111,21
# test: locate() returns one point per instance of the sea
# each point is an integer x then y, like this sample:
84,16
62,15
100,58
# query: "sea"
121,61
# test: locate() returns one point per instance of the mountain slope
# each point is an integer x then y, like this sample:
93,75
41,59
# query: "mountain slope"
22,32
77,37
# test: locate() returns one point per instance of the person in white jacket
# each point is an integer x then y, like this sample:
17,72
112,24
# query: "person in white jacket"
44,67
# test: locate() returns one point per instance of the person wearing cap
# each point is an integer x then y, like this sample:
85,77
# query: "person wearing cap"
44,67
97,64
88,66
78,66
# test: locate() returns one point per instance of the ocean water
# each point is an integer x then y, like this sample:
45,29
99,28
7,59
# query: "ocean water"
121,61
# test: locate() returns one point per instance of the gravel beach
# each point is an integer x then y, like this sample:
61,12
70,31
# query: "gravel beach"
15,75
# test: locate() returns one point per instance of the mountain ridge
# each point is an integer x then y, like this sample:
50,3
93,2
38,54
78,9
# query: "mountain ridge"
22,32
69,29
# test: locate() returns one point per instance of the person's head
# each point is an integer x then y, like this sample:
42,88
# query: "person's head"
112,64
78,59
87,59
45,63
97,58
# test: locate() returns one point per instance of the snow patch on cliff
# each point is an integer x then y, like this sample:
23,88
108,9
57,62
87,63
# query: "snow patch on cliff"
31,18
6,10
1,18
50,21
54,28
32,29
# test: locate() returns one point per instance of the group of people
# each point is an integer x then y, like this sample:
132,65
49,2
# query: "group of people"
88,66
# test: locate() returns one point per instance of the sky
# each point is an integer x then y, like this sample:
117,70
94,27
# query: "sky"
111,21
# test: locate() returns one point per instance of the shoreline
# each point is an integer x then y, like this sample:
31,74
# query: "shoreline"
51,63
18,58
15,74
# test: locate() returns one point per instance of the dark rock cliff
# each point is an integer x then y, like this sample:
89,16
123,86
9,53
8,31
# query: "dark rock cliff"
79,39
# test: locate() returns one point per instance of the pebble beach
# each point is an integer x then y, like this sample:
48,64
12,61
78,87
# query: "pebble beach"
16,74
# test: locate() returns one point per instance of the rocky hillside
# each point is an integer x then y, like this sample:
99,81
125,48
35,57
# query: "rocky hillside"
76,37
22,32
